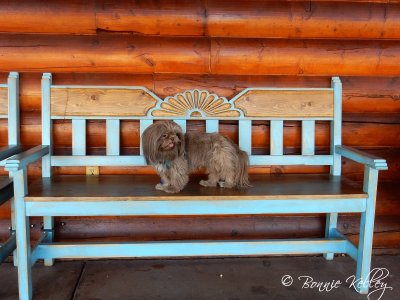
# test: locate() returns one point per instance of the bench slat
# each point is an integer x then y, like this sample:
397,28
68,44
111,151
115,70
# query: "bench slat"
245,135
308,138
276,137
113,137
212,126
181,123
78,137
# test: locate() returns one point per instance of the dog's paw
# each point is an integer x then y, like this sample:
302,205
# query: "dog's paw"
171,190
206,183
224,184
159,187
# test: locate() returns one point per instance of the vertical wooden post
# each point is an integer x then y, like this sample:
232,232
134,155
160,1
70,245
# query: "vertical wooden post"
48,221
276,137
336,126
23,236
113,137
13,132
78,137
212,126
13,109
308,137
366,231
336,139
46,124
245,135
181,123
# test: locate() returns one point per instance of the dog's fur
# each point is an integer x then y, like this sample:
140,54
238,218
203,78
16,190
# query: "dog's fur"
175,155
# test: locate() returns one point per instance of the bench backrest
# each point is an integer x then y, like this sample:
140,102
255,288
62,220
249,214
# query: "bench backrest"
116,103
9,109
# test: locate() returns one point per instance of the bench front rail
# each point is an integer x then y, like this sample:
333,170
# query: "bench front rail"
51,197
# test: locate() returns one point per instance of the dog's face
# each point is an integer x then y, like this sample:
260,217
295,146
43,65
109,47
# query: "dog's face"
162,141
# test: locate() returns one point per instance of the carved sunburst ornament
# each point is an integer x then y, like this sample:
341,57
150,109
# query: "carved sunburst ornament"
196,103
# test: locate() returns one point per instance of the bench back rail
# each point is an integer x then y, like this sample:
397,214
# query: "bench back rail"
115,103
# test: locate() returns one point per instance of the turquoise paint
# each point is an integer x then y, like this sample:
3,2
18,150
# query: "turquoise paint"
336,125
13,108
245,135
276,138
334,242
78,137
212,126
192,206
189,248
113,137
366,230
46,124
308,137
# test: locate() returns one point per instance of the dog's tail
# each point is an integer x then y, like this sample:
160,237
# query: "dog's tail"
242,176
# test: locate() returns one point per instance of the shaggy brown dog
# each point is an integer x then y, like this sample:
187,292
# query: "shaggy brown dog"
175,155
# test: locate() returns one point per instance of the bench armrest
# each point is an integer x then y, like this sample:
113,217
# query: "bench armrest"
7,151
20,161
362,157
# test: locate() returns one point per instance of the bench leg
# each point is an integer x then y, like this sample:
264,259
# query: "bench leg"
366,232
13,227
48,224
23,238
331,222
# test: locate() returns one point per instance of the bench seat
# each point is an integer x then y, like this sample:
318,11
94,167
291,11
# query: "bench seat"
71,195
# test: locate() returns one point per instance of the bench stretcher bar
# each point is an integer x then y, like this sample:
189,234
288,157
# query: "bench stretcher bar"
189,248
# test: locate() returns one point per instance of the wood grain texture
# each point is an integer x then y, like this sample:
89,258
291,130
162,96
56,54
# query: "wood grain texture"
124,188
303,57
279,103
100,102
3,101
104,53
271,19
302,19
75,17
196,103
165,17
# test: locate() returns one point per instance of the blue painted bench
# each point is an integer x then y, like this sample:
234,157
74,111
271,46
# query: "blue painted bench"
9,109
121,195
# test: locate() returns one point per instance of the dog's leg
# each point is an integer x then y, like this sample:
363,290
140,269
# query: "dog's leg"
229,182
161,186
212,180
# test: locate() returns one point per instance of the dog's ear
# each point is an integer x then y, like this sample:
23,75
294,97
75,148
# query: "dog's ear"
181,144
149,142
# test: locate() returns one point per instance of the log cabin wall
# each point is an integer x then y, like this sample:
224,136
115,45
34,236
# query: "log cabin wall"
223,46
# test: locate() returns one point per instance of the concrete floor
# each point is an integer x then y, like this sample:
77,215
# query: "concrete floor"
218,278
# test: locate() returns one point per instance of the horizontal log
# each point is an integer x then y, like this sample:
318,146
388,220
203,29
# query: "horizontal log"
24,16
276,19
303,19
166,17
300,57
386,231
126,53
104,53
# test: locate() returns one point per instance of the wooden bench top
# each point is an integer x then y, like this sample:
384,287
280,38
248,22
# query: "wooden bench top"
141,187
